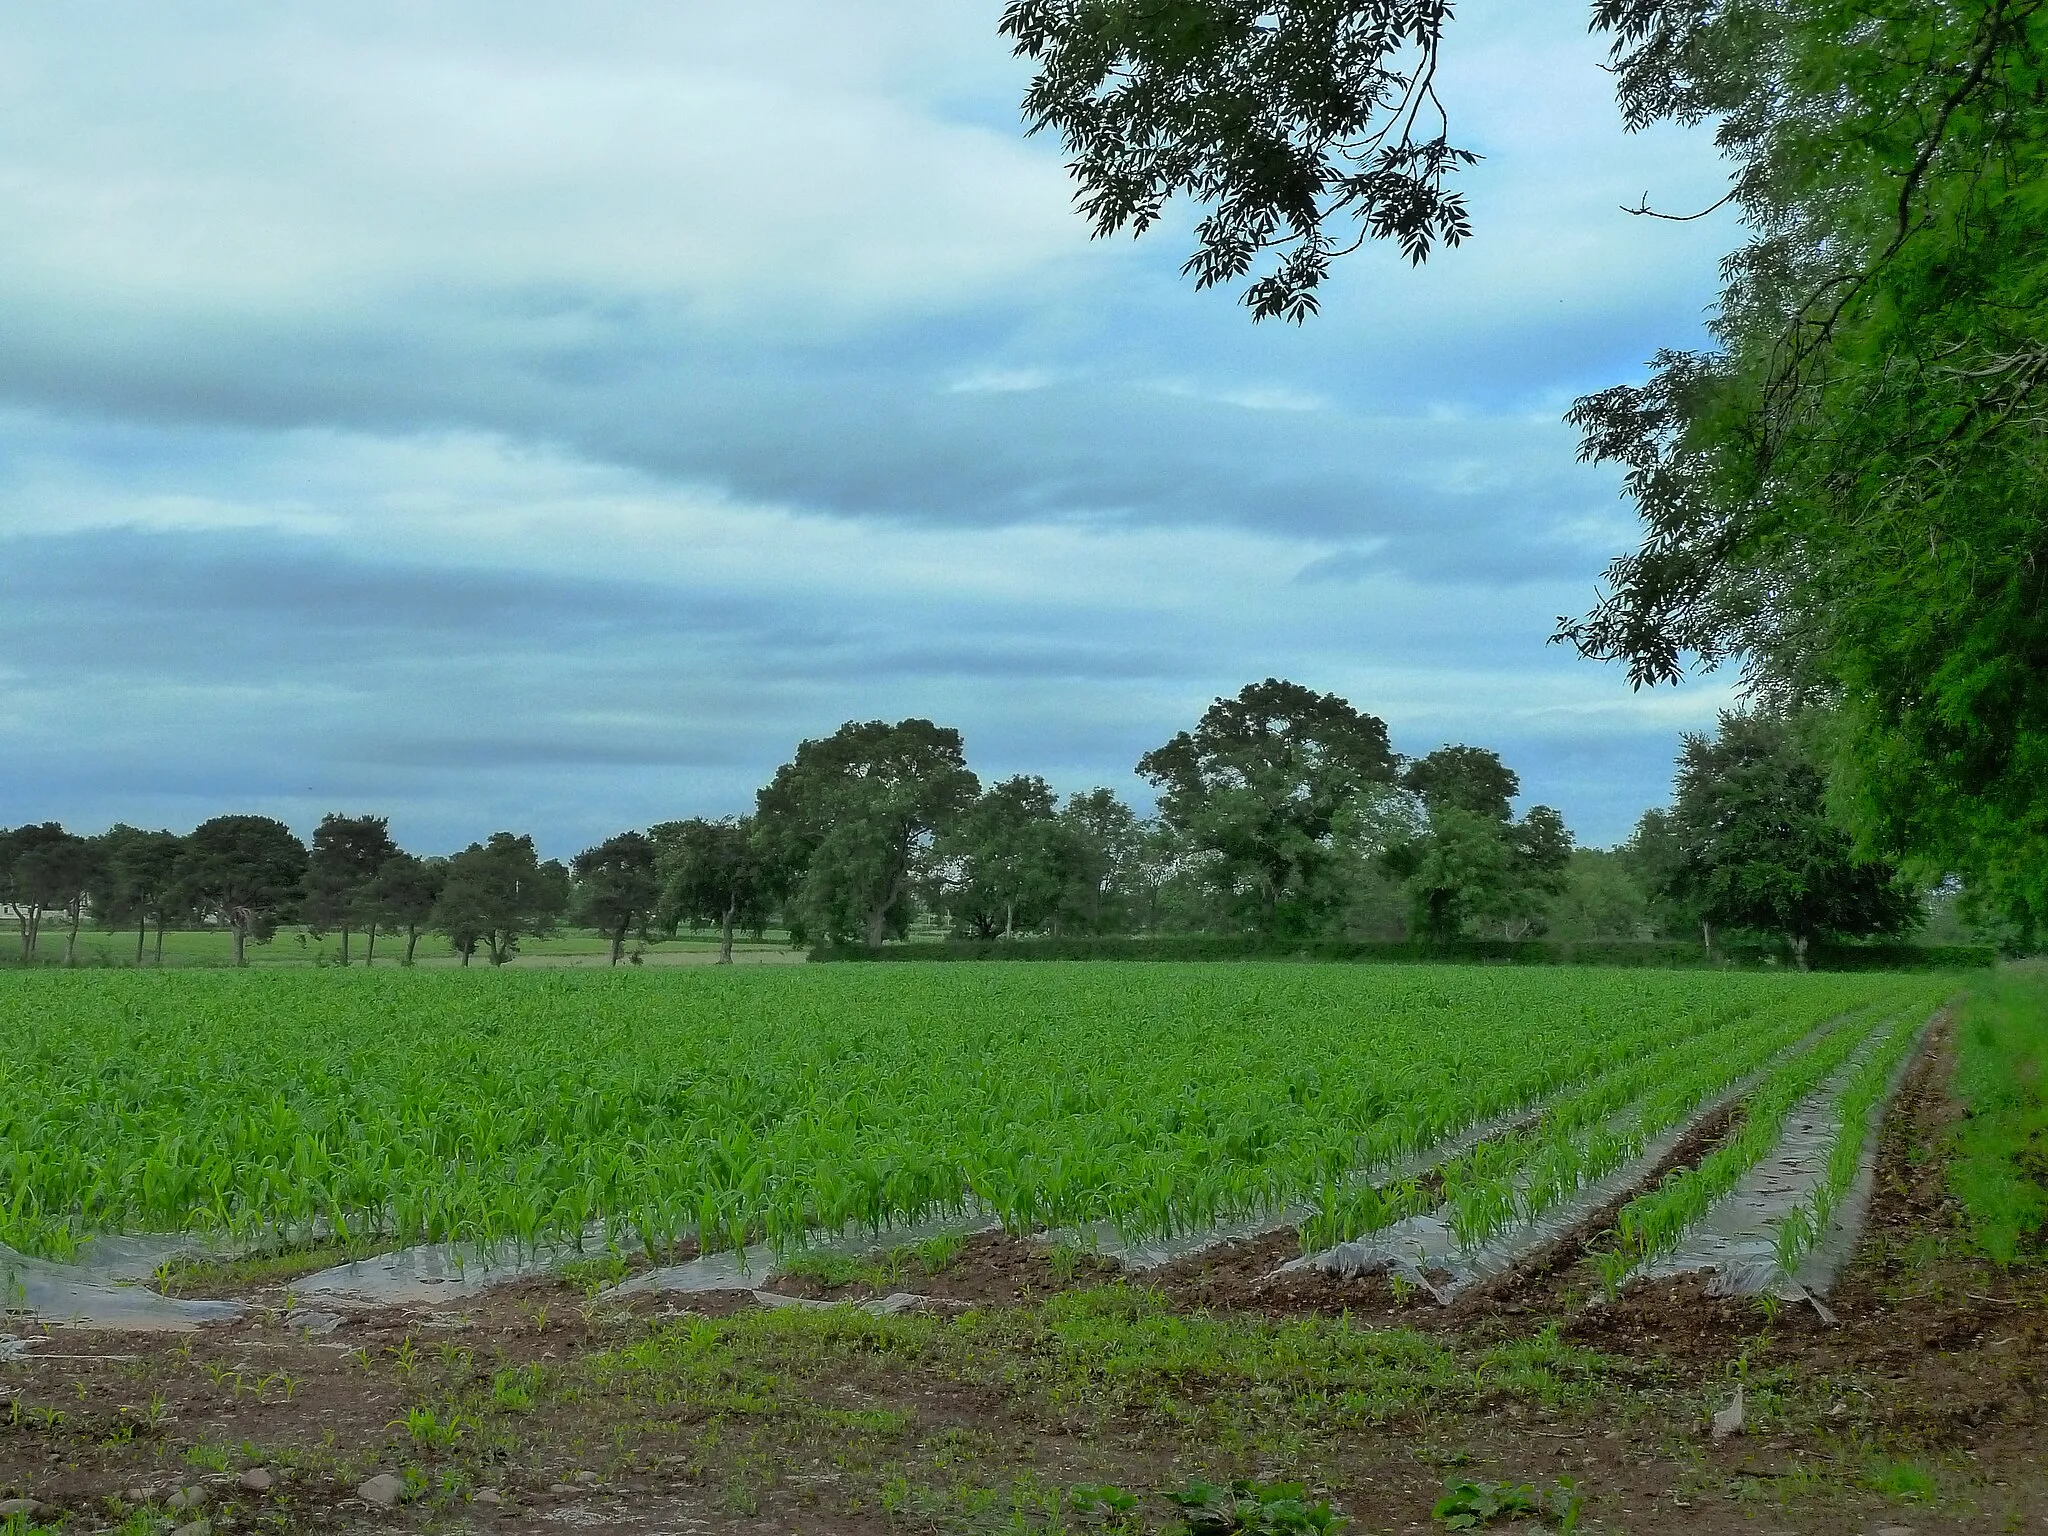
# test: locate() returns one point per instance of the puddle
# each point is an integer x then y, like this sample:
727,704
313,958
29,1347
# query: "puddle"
1737,1237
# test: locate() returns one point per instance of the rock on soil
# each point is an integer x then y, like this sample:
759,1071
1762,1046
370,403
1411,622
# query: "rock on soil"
382,1491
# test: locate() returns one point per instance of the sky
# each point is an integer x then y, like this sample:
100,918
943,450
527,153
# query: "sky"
497,414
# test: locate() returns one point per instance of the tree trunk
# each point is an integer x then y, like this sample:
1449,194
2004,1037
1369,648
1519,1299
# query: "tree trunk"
141,938
71,938
465,959
241,941
159,938
344,943
1706,936
412,940
874,926
1009,918
725,934
618,943
1799,942
370,945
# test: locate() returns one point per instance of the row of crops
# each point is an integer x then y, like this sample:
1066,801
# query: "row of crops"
400,1107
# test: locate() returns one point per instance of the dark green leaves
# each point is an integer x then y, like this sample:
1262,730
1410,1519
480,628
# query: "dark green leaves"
1466,1506
1304,127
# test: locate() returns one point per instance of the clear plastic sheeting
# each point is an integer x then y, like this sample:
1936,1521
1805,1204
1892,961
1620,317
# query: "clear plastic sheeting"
728,1270
434,1272
875,1306
88,1296
1737,1238
1423,1249
1143,1254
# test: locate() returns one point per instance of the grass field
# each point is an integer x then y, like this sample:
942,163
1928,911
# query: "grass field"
296,947
407,1106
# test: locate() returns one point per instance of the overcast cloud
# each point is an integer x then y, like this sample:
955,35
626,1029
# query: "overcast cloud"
534,416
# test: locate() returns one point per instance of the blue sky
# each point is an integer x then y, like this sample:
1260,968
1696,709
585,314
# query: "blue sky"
523,415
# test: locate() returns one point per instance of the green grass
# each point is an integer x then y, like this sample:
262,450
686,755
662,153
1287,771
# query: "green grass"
1998,1166
528,1105
297,947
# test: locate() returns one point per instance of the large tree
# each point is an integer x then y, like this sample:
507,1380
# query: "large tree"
247,873
1472,862
1759,849
1258,783
496,892
1002,864
347,853
712,872
616,890
138,882
847,822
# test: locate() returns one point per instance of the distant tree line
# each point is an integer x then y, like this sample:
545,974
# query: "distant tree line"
1282,813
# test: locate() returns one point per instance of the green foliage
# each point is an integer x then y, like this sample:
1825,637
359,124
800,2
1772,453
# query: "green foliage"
347,854
495,892
1466,1506
1287,119
526,1106
246,873
711,871
847,823
616,889
1758,848
1998,1164
1258,787
1847,491
1252,1508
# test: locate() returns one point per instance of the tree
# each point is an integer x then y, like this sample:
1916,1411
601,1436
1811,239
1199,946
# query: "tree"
1759,849
403,896
1102,844
1470,778
846,823
246,873
1601,899
1846,492
496,892
1258,784
348,851
31,877
1003,859
1291,120
138,882
1472,862
616,890
711,871
1655,857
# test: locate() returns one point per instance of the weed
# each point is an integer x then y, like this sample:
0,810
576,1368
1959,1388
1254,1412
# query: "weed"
1466,1506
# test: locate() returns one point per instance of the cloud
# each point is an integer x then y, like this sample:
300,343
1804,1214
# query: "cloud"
511,415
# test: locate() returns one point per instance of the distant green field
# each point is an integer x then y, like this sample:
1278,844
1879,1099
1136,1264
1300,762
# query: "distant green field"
422,1104
297,947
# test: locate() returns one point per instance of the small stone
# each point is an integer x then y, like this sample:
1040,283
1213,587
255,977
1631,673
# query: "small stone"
136,1496
488,1496
256,1480
382,1491
562,1488
1729,1420
187,1498
195,1528
19,1507
586,1478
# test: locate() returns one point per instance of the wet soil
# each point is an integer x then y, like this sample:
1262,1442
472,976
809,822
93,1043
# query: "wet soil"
1920,1411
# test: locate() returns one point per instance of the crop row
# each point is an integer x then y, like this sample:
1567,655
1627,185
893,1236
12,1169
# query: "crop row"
1656,1221
418,1106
